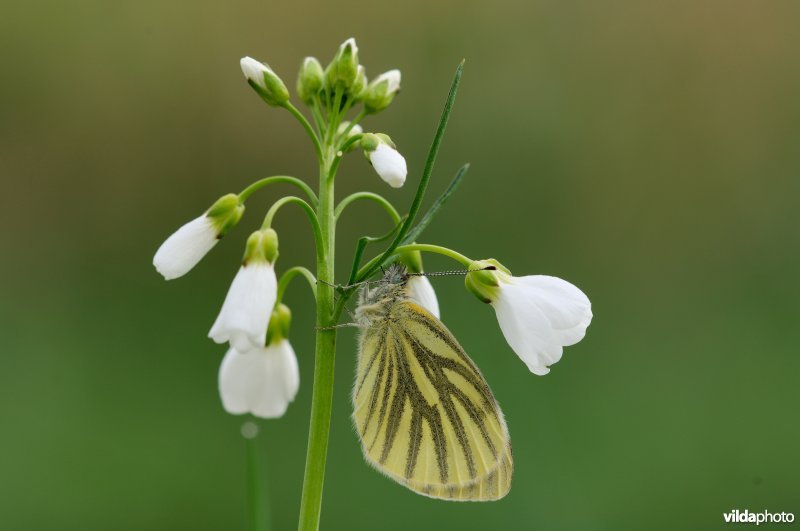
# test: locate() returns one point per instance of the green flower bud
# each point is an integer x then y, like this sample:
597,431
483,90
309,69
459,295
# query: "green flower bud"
412,260
343,69
225,213
310,79
381,91
261,246
279,324
265,82
483,282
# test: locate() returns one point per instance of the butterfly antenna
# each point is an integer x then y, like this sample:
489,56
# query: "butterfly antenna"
453,272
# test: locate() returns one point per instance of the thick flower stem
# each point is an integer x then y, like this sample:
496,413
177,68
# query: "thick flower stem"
324,357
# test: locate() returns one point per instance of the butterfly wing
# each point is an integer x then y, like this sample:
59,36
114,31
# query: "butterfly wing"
424,413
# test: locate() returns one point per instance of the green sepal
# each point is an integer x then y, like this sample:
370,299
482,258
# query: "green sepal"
261,246
484,278
279,323
359,84
370,142
274,91
386,139
225,213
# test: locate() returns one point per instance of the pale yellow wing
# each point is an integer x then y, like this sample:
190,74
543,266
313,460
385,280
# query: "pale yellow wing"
424,413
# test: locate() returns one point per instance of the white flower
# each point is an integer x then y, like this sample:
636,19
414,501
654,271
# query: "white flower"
245,313
392,78
539,315
389,164
186,247
421,290
261,381
254,71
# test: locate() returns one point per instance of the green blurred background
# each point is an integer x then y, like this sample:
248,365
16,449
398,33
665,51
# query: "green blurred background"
647,152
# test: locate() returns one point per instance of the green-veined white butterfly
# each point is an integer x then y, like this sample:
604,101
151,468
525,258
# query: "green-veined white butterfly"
422,410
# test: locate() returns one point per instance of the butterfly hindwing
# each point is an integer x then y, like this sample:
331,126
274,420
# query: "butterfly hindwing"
424,413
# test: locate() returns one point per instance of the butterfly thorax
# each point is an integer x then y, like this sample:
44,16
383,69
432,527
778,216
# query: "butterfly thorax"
376,301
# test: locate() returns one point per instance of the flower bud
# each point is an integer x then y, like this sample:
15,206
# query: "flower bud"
381,91
389,164
264,81
310,79
279,324
484,282
261,246
343,69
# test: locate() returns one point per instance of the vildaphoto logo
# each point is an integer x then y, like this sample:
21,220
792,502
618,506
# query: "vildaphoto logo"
746,517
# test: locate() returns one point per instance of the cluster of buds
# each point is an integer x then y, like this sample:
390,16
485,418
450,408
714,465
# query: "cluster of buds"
339,86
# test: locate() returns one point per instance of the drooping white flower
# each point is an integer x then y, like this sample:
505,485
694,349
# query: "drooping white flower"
538,314
245,314
389,164
261,381
189,244
185,247
420,289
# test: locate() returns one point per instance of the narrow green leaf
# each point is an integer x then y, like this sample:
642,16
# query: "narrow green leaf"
414,233
426,176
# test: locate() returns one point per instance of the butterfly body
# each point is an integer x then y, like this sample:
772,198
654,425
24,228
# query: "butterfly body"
422,410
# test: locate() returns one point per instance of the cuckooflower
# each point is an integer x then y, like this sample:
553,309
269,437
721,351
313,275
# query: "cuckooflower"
245,313
421,290
538,314
261,381
264,380
189,244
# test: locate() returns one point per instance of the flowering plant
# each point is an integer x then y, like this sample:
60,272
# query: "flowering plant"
538,315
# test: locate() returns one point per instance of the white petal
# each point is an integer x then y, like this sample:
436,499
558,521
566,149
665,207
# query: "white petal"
392,77
262,381
539,315
567,308
254,70
421,290
245,313
185,248
389,164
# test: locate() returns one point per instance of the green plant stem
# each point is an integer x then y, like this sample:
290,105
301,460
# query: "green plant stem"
307,126
257,498
324,354
287,277
266,181
382,201
312,216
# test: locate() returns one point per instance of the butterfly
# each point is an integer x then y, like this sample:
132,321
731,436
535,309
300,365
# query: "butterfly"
423,412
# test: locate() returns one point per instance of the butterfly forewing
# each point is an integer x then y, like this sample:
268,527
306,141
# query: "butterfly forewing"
424,413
